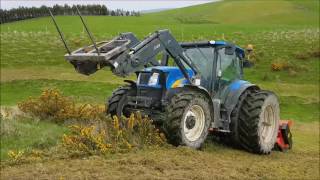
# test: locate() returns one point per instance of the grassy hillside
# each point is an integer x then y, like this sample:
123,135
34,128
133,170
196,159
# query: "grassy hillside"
248,12
228,13
284,32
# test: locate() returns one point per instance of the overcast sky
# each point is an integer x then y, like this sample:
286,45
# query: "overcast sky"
136,5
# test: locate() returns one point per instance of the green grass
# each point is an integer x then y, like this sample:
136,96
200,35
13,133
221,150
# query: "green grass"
248,12
295,109
58,73
46,52
85,92
25,135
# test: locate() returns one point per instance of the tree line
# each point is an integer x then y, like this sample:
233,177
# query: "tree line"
22,13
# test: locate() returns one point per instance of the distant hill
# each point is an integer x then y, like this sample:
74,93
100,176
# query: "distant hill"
220,16
248,12
154,10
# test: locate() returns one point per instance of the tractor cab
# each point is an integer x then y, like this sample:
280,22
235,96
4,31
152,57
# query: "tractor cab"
218,63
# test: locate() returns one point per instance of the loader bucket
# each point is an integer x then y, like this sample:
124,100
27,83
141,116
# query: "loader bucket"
87,60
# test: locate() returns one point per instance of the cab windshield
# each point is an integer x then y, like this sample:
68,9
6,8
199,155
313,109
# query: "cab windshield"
203,58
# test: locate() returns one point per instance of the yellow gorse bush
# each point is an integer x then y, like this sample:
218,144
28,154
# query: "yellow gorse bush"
15,156
137,132
117,135
53,105
84,140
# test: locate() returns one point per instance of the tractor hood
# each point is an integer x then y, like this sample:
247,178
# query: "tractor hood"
173,76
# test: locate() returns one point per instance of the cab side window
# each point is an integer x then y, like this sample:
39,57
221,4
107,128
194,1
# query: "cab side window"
228,65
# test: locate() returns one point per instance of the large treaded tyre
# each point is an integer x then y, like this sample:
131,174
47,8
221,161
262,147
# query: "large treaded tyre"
258,121
234,138
188,117
116,103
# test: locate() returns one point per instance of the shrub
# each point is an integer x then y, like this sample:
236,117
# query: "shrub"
84,140
85,112
15,157
54,106
20,156
98,134
279,66
136,133
50,103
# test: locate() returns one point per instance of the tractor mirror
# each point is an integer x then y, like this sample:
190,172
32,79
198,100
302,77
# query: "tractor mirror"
247,64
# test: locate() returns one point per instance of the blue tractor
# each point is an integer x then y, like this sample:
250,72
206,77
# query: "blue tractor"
188,89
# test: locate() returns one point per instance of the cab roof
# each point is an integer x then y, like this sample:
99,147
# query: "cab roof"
211,43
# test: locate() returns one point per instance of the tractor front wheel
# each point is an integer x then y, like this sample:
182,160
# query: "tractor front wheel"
188,119
258,121
115,105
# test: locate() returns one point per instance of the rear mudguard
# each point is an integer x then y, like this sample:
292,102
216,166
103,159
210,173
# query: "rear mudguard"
230,94
229,97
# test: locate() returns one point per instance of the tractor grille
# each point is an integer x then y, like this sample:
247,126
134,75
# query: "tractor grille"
146,97
144,78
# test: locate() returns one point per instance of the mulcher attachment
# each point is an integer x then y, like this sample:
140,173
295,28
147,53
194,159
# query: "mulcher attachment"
284,139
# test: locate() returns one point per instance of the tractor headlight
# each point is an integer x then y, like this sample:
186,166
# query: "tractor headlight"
153,79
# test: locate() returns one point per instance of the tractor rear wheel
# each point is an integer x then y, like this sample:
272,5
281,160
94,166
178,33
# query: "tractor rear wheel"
115,105
188,119
258,121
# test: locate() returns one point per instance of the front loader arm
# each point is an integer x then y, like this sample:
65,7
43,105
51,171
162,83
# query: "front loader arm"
126,55
145,52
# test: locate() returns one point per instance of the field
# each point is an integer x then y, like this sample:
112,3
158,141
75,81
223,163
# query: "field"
284,33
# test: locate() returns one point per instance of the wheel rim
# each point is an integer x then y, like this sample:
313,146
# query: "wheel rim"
268,124
194,122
